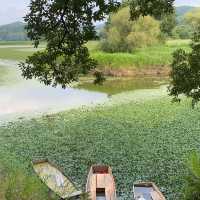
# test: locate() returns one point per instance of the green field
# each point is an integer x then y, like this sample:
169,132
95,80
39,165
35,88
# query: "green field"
142,135
141,58
15,43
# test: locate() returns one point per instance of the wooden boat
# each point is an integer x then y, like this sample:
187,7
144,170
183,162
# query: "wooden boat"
147,191
100,183
55,180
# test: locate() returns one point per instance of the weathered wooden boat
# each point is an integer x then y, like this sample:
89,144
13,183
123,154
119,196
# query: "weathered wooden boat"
55,180
147,191
100,183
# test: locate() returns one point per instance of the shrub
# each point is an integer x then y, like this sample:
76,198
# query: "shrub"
145,32
168,23
18,184
192,191
123,35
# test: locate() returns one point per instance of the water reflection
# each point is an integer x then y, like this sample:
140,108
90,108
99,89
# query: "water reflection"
19,96
117,85
28,96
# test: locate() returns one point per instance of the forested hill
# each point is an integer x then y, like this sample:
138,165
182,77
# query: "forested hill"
181,11
13,32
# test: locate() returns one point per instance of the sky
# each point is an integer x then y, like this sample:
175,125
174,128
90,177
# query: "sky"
187,2
14,10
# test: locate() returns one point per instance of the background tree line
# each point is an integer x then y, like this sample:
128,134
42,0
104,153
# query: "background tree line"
122,35
178,25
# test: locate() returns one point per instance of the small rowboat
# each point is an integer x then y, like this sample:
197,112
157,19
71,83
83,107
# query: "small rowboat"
100,183
147,191
55,180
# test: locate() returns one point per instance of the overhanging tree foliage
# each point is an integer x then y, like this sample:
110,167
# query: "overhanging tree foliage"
150,7
186,71
67,25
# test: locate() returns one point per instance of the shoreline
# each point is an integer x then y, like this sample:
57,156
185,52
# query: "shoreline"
137,72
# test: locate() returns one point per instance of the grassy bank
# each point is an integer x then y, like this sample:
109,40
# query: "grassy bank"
148,57
144,137
18,182
144,58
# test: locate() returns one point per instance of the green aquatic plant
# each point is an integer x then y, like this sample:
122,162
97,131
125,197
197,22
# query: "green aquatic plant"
141,135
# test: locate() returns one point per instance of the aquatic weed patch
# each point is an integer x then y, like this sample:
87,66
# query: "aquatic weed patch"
145,140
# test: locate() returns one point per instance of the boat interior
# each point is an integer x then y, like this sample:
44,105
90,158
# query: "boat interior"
100,169
101,183
100,194
147,191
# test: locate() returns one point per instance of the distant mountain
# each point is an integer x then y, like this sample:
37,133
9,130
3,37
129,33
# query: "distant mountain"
13,32
182,10
16,31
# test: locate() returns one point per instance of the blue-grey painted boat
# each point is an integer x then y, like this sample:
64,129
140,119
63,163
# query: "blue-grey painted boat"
147,191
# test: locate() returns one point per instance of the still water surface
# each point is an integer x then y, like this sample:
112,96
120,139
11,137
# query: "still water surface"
19,96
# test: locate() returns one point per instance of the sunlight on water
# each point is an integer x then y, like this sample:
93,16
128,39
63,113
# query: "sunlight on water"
20,97
29,98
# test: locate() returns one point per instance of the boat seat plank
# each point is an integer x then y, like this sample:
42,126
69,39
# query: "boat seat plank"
103,180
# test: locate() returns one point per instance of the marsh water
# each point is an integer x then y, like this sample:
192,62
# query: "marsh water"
19,96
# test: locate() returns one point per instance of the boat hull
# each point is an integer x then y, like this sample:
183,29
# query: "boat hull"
54,179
